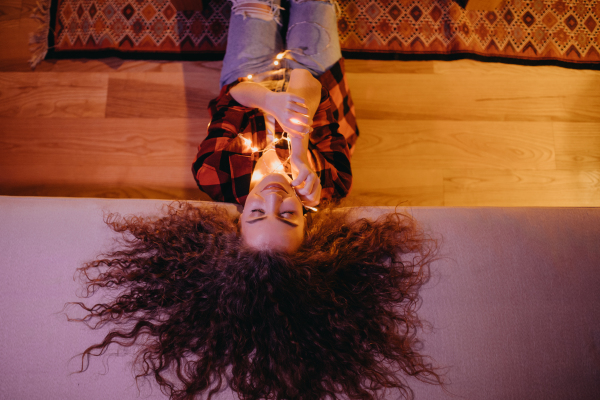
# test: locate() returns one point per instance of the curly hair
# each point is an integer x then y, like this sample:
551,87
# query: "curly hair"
336,318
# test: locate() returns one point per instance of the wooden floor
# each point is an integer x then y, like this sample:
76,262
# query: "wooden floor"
459,133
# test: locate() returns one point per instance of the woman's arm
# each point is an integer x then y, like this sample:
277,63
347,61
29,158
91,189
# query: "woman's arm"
303,84
293,109
251,94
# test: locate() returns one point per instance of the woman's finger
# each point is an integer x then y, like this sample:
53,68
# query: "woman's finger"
316,196
309,183
302,174
299,119
295,98
298,131
298,108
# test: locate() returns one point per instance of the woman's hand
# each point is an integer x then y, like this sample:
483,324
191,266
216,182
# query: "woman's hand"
290,111
306,183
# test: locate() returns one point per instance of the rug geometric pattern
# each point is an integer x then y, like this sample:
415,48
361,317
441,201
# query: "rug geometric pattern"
564,30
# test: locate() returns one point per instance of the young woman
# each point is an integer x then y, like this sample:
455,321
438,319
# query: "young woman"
272,304
283,124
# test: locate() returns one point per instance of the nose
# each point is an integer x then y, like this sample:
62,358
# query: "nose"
273,199
274,196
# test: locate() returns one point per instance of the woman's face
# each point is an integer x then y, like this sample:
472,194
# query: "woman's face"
272,216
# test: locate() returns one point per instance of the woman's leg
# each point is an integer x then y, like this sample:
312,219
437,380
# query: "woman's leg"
312,35
253,39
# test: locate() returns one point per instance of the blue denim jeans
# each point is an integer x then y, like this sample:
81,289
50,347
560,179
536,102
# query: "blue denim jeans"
311,38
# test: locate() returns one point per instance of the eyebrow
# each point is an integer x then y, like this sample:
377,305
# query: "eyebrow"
285,221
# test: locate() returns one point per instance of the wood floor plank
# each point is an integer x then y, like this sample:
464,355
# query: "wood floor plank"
27,7
98,175
389,67
504,70
112,190
53,143
391,187
53,95
161,95
577,145
406,145
463,95
10,9
151,152
115,64
558,188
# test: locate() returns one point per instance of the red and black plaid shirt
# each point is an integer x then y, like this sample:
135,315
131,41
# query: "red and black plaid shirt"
224,163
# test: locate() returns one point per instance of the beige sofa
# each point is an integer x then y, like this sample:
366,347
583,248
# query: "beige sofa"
514,303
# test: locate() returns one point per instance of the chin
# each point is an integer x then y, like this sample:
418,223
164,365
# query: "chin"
273,177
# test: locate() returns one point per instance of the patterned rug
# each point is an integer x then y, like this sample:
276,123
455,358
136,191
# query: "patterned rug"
541,31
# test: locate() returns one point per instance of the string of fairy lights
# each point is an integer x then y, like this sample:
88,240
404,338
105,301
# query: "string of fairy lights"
286,54
279,167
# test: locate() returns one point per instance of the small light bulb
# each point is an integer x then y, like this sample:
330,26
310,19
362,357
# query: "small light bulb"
257,175
280,56
276,62
249,76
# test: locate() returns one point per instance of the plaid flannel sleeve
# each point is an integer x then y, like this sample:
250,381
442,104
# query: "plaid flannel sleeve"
330,151
217,169
342,106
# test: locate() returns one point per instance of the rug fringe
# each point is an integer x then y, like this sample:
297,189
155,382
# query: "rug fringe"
38,40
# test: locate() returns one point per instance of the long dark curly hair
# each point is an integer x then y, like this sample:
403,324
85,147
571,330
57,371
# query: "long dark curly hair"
336,318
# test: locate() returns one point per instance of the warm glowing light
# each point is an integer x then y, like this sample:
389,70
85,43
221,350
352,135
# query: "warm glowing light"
295,121
257,175
280,56
276,62
249,76
254,149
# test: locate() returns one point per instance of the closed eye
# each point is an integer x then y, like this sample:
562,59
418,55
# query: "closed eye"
280,219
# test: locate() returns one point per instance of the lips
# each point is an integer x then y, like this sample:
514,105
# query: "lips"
274,187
